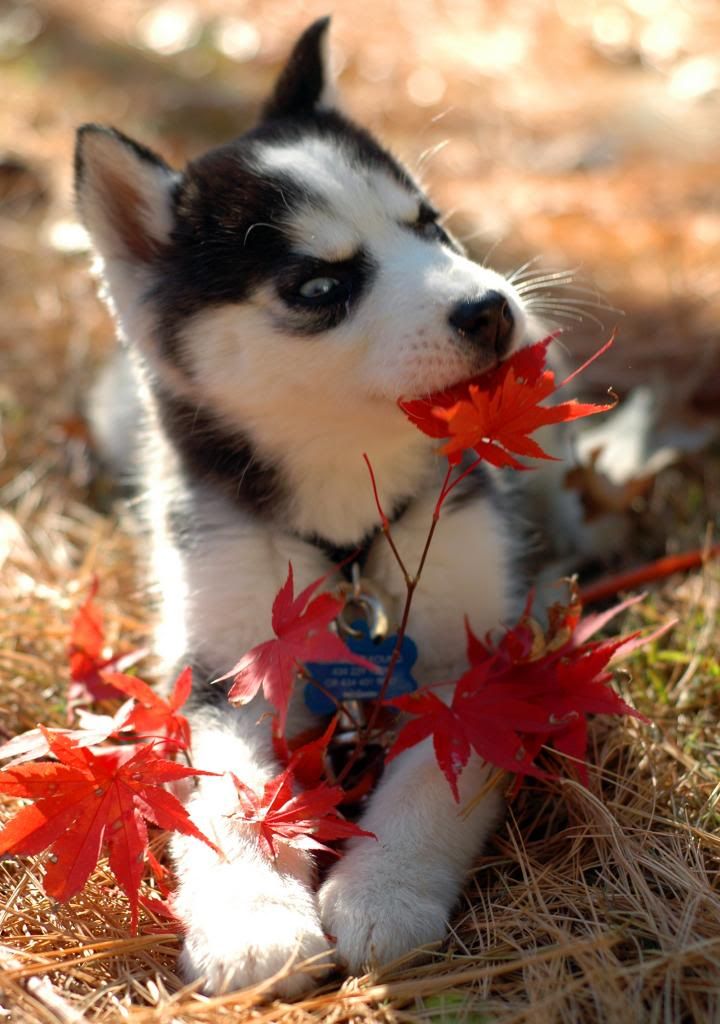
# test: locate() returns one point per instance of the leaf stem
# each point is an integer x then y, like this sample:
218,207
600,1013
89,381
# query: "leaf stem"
339,705
385,522
411,583
448,488
591,359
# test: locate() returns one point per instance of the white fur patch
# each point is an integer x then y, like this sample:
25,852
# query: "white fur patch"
382,899
247,918
350,190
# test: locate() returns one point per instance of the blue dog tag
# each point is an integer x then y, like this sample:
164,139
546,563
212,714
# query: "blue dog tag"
346,681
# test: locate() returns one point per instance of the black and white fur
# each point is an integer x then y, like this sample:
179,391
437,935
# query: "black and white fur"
274,299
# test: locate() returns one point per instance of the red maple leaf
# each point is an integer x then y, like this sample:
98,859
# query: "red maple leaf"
146,714
494,413
83,800
434,718
86,653
528,640
301,635
300,820
164,909
529,363
525,690
305,754
154,716
162,905
570,685
560,671
483,716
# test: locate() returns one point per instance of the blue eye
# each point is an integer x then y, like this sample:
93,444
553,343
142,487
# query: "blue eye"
429,229
318,287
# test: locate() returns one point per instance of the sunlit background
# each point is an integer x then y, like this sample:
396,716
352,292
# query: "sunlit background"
582,134
574,136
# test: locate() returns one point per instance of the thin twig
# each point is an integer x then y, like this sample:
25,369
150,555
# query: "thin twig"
411,583
339,705
385,522
588,361
449,486
657,570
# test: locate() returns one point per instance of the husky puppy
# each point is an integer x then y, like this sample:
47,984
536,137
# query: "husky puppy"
273,300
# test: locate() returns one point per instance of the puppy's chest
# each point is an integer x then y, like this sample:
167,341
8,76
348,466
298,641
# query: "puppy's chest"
232,576
467,573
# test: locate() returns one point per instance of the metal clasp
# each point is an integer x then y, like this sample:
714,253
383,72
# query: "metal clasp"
366,598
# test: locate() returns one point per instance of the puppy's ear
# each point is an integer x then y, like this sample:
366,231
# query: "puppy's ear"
124,195
306,83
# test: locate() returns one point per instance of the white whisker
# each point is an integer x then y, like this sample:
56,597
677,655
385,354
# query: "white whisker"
558,342
472,235
541,284
491,250
549,276
448,214
569,301
258,224
430,152
578,314
516,274
561,313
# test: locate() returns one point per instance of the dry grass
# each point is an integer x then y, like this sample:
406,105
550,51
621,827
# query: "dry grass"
589,905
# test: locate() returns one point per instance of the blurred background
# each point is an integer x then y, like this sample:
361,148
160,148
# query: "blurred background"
565,135
579,135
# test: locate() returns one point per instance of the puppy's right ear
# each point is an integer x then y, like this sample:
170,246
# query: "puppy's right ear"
306,84
124,195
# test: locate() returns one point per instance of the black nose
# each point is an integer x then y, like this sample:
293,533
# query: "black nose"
486,322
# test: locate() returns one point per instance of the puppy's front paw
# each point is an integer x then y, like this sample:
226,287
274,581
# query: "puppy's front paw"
241,930
376,916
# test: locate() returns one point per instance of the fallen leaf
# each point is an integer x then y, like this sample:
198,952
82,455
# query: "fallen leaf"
88,664
94,729
527,689
84,800
153,715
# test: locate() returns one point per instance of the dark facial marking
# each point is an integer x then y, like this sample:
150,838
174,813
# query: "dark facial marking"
229,238
426,226
231,232
308,314
225,460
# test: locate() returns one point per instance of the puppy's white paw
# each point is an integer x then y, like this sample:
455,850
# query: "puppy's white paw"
242,927
375,917
260,941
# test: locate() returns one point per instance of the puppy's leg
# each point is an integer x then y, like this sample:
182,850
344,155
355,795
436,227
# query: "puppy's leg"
382,899
245,917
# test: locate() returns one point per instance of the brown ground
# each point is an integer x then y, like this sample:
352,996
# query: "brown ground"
582,133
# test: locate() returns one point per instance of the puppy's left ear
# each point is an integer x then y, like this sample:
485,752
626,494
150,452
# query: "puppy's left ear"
306,83
124,194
